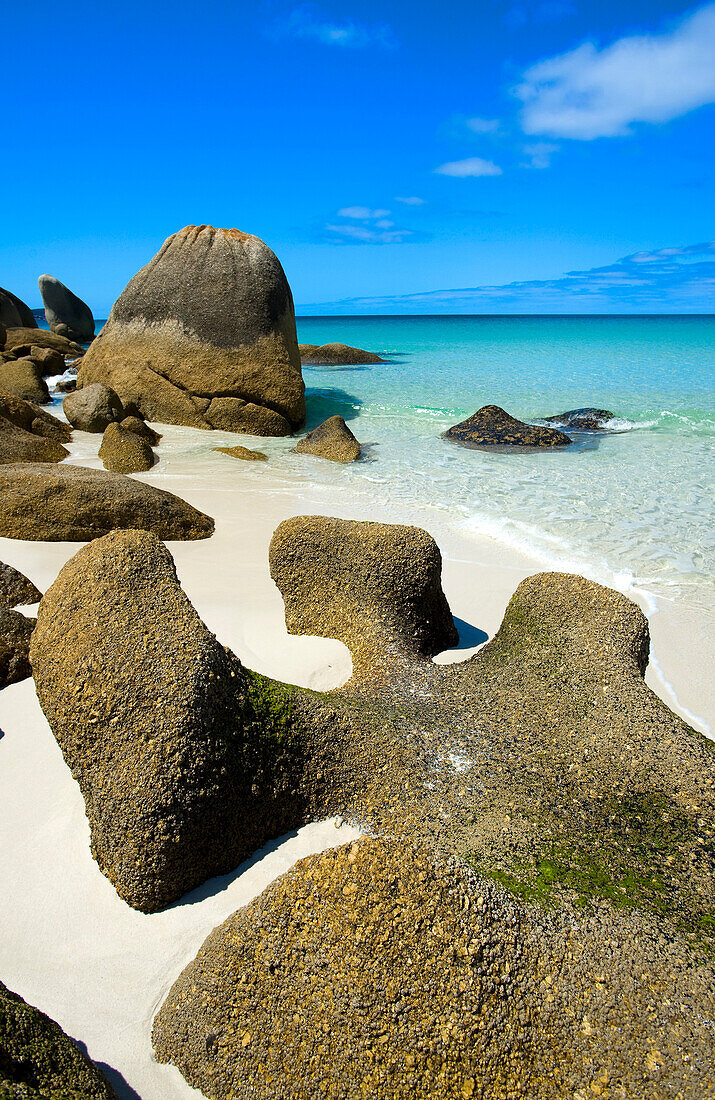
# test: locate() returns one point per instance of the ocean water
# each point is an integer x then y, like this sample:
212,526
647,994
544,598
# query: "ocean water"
630,507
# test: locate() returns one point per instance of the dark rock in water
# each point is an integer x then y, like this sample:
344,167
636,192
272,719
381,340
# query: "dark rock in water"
38,1061
375,586
15,588
491,426
66,314
14,313
23,340
336,355
244,453
125,452
141,428
231,414
74,504
15,633
581,420
49,360
210,317
93,407
23,378
332,439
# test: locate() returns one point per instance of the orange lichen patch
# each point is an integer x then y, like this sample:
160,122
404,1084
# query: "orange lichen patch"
236,234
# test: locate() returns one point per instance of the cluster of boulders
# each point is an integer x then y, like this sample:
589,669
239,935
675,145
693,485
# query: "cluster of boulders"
492,428
30,355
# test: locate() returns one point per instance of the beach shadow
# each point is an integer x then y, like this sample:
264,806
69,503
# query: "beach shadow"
325,402
469,635
120,1085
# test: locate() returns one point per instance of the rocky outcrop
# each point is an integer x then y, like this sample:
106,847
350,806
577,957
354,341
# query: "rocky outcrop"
204,335
32,418
38,1061
333,355
581,420
28,433
15,633
15,588
125,452
93,407
66,314
23,378
491,426
22,340
140,428
375,586
332,440
244,453
74,504
14,313
49,360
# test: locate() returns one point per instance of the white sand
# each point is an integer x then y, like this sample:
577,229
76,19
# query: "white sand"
68,943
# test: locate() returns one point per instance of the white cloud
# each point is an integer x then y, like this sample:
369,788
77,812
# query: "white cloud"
590,93
473,166
369,234
483,125
539,154
361,213
306,21
411,200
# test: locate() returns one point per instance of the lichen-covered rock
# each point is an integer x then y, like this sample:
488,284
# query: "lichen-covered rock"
93,407
329,355
74,503
15,588
232,414
15,633
209,319
125,452
244,453
375,586
581,420
23,339
38,1061
23,378
28,433
332,440
14,313
491,426
140,428
65,313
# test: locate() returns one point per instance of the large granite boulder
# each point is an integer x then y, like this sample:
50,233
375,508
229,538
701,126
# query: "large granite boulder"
125,452
581,420
15,633
14,313
209,320
15,588
93,407
375,586
333,355
66,314
74,504
23,378
23,339
28,433
39,1062
332,440
491,426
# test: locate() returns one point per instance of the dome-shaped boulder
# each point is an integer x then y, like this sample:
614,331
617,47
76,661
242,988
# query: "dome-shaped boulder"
66,314
210,318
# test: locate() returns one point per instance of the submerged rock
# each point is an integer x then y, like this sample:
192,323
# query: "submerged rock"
23,378
210,318
66,314
244,453
581,420
336,355
491,426
28,433
333,440
37,1059
15,588
15,633
74,503
93,407
124,451
14,313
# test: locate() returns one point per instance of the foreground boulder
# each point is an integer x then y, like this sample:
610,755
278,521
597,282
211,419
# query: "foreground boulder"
209,320
491,426
74,504
37,1059
14,313
28,433
15,588
23,378
581,420
15,633
92,408
333,440
66,314
23,339
125,452
333,355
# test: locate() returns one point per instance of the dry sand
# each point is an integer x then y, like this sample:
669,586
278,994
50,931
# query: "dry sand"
69,945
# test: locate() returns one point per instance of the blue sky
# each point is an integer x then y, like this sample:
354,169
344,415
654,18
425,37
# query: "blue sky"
388,152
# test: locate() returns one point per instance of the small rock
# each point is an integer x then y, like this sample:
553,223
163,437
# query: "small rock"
93,407
332,440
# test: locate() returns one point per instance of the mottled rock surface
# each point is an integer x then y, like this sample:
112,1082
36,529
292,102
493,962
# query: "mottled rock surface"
140,428
14,313
38,1061
210,318
328,355
244,453
49,360
23,378
125,452
332,440
27,338
15,633
28,433
93,407
66,314
232,414
491,426
581,420
74,503
15,588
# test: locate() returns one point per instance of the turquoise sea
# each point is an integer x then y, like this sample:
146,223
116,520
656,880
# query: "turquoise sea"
633,506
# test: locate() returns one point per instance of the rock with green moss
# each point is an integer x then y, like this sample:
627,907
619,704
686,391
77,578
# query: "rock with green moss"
37,1059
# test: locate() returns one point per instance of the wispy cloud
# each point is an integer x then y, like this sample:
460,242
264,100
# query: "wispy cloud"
483,125
472,166
539,154
364,225
410,200
590,93
307,21
364,213
668,280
